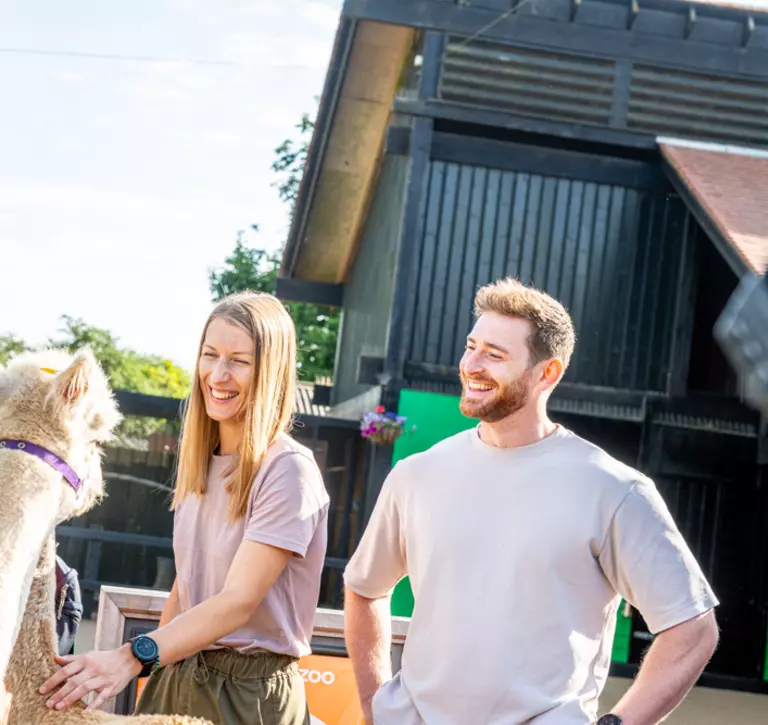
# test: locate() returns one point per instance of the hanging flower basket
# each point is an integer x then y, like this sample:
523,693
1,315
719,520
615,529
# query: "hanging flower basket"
386,437
382,428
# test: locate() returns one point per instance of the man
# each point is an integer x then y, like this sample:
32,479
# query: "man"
520,538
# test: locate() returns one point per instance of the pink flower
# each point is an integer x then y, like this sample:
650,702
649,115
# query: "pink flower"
381,409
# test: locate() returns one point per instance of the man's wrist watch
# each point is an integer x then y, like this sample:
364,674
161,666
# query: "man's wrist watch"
146,651
609,719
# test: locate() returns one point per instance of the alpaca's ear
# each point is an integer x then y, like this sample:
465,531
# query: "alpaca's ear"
72,383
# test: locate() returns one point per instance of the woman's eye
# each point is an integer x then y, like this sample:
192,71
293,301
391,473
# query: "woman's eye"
240,362
209,354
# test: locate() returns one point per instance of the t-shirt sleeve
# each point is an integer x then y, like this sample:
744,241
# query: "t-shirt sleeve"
288,505
379,562
649,563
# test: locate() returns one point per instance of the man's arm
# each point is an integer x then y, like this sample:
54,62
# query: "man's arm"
368,633
670,669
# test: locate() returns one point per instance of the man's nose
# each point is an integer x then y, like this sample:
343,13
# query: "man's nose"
472,362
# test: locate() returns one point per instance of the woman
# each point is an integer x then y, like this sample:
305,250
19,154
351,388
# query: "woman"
250,531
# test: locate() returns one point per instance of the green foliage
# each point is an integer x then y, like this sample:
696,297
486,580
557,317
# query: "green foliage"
127,370
10,345
290,159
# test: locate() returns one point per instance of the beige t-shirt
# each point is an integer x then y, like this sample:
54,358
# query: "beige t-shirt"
288,509
518,558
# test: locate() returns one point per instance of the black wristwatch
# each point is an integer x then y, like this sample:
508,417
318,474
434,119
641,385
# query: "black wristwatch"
145,650
609,720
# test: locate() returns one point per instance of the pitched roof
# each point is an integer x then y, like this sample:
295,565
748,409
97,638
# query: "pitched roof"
730,186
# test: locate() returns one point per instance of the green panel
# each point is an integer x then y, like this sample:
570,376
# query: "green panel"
622,637
765,670
437,417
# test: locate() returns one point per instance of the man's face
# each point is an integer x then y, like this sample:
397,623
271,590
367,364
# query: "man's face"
496,375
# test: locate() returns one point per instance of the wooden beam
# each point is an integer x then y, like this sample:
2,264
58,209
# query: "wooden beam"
536,31
575,5
151,406
462,149
432,59
327,242
406,282
749,31
154,406
525,124
634,11
370,368
334,80
319,293
398,141
690,22
685,305
622,82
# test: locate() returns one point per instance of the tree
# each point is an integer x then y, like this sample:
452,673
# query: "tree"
290,159
126,369
10,345
317,326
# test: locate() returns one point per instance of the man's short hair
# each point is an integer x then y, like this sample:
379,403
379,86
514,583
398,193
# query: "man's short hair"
552,335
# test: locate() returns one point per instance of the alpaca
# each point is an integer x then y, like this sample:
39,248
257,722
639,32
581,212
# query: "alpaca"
64,404
32,663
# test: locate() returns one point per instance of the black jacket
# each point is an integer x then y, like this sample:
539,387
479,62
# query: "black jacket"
69,606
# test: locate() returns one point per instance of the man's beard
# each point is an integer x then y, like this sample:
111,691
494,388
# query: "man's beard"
506,400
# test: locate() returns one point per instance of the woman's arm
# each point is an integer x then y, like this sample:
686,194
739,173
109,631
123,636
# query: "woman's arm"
172,608
254,569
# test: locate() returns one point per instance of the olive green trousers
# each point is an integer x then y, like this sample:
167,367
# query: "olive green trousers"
229,688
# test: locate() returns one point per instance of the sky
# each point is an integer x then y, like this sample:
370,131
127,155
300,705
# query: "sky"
124,181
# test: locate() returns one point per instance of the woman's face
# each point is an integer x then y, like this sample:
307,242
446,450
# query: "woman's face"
225,369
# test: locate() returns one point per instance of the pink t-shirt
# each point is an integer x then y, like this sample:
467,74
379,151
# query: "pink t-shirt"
288,508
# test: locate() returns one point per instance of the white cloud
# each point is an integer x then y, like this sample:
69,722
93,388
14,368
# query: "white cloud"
115,207
68,76
322,14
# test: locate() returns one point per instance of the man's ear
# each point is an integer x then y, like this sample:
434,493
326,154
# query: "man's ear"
552,372
72,383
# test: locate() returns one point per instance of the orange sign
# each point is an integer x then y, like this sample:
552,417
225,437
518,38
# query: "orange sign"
139,687
331,690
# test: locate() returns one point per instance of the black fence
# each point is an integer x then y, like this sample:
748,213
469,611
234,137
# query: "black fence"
127,539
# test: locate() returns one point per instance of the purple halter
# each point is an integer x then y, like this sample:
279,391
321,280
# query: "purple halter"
47,456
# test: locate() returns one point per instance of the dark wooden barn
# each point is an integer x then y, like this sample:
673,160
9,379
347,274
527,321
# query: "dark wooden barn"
613,152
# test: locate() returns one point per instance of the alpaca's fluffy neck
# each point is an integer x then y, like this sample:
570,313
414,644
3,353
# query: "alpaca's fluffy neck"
26,520
32,659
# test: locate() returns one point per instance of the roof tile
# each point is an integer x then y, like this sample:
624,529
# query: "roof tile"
732,187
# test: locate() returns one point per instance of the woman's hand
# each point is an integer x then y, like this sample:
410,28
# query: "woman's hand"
106,673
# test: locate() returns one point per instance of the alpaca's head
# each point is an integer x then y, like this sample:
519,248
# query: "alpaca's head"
62,402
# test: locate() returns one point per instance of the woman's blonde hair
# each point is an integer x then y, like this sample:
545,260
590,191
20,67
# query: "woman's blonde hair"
267,411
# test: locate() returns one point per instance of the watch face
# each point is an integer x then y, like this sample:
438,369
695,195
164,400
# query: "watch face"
145,648
609,720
